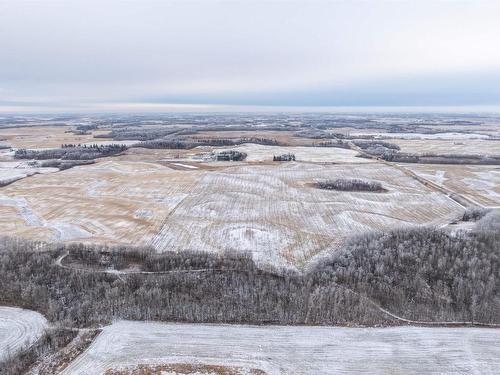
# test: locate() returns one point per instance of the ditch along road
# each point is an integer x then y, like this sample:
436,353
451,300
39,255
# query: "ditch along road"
119,274
460,199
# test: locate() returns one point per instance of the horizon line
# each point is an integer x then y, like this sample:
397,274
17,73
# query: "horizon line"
131,108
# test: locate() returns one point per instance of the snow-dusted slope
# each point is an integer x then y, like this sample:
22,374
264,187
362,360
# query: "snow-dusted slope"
17,328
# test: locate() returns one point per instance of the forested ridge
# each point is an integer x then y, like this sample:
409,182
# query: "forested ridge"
421,274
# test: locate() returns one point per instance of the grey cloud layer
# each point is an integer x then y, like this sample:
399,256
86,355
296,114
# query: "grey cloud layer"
306,53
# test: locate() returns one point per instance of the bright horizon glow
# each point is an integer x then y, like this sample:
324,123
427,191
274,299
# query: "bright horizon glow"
75,55
163,108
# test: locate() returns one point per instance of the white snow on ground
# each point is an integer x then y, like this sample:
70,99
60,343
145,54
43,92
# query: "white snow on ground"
309,154
479,183
295,350
67,231
185,166
63,231
13,171
17,328
275,213
446,135
26,212
105,143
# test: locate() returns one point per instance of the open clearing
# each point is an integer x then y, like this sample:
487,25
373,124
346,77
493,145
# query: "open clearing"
479,183
273,212
18,327
440,146
11,171
109,202
45,136
283,137
257,152
270,210
294,350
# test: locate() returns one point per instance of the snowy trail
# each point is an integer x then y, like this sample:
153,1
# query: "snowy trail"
419,322
294,349
119,273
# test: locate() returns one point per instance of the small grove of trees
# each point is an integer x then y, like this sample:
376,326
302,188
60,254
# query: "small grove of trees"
284,157
475,213
339,143
350,185
230,155
376,144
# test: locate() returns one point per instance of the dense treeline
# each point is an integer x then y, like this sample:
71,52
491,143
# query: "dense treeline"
374,145
339,143
146,259
167,144
421,274
71,152
424,274
177,143
475,213
350,185
138,133
391,152
458,159
64,164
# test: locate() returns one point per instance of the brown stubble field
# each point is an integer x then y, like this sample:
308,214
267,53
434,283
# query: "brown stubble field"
174,202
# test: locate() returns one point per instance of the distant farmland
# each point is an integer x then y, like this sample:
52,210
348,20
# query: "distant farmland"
271,210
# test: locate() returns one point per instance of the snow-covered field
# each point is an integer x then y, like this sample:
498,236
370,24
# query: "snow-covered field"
295,350
444,146
444,135
309,154
108,202
19,327
479,183
11,171
270,210
39,137
273,212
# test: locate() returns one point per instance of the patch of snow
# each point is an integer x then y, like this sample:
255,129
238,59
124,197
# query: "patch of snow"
185,165
19,327
22,205
67,231
444,135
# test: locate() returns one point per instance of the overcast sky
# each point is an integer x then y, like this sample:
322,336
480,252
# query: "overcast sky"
196,54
